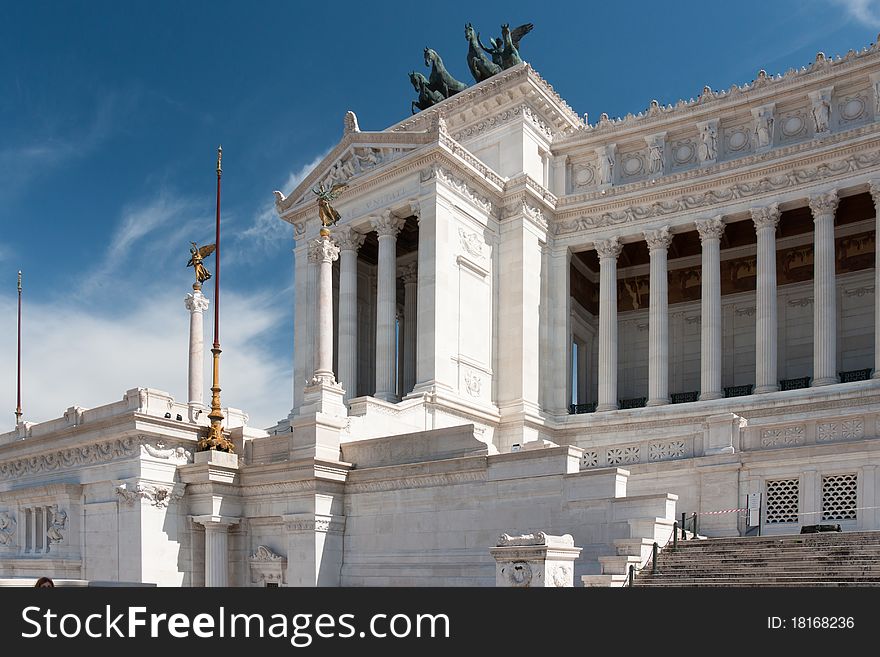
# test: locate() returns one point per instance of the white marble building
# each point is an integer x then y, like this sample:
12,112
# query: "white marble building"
536,324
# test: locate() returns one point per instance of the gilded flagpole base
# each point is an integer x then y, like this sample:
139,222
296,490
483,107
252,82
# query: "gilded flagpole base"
215,439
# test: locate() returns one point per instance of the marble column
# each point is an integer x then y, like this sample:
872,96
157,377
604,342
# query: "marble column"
875,194
387,226
349,241
216,548
410,276
710,231
326,252
658,317
823,207
196,303
608,251
766,220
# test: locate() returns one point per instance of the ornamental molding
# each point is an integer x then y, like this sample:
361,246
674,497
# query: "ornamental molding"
511,113
318,523
55,461
466,190
265,554
159,449
472,243
686,202
426,481
763,85
156,495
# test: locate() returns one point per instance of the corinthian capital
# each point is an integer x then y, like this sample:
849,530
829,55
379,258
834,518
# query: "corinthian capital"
767,217
874,188
196,302
823,205
348,239
323,250
387,224
409,273
658,239
609,248
710,229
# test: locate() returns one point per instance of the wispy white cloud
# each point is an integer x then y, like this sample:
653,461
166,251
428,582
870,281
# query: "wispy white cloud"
866,12
266,229
72,356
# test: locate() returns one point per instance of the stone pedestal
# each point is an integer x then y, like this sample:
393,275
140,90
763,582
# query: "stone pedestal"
721,433
317,428
535,560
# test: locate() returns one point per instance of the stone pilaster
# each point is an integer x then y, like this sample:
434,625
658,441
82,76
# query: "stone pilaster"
710,231
766,220
349,241
658,317
608,251
823,207
387,226
196,303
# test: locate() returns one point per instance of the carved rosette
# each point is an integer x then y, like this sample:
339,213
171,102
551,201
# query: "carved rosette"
387,225
196,302
767,217
710,229
658,239
609,248
348,239
323,250
824,205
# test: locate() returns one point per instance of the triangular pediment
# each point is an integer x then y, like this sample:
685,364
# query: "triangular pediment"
357,154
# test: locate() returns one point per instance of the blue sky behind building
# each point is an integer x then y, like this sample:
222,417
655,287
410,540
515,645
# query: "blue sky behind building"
110,114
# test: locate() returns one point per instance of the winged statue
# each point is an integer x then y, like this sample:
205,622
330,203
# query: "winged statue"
196,256
328,214
501,51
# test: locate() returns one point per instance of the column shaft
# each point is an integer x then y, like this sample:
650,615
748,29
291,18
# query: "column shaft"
608,251
410,292
386,300
349,242
875,193
710,231
766,220
216,566
824,290
327,252
658,318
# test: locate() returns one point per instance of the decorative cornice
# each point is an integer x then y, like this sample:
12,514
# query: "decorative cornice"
159,449
56,461
763,84
157,495
722,195
264,554
462,187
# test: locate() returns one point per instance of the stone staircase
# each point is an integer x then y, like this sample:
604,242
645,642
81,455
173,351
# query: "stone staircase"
824,559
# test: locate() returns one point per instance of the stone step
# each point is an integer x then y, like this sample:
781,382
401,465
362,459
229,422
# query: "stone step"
699,583
833,537
771,559
805,577
808,549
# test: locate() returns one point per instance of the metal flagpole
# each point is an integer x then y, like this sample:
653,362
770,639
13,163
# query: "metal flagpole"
215,439
18,376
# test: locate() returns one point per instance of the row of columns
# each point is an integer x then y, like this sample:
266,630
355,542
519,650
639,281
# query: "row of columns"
766,220
345,244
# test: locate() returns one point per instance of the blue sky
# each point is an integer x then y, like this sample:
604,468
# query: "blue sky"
110,114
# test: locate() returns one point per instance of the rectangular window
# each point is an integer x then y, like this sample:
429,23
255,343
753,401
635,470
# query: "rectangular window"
839,497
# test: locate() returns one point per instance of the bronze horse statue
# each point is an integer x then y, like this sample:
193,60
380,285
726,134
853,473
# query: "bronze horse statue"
440,79
427,97
480,66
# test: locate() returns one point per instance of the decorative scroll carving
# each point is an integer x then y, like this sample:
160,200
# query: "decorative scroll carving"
69,458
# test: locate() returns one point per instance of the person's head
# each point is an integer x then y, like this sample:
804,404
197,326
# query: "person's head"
44,582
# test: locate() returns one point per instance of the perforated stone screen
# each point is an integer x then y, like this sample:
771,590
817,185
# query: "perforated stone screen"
839,497
782,501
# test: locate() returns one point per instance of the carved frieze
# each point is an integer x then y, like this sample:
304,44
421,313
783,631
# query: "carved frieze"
54,461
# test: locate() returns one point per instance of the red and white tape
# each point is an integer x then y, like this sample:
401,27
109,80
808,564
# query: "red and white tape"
715,513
